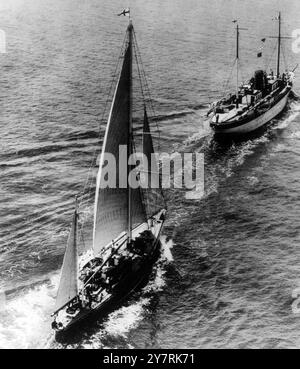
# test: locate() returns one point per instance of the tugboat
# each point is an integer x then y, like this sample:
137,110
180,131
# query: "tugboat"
255,102
127,221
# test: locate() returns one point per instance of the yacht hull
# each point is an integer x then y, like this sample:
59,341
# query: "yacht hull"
131,283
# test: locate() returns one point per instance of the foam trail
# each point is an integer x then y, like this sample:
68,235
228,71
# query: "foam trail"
25,319
120,322
2,301
127,318
117,326
167,245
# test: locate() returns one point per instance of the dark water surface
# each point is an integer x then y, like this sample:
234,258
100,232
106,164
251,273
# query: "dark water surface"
235,257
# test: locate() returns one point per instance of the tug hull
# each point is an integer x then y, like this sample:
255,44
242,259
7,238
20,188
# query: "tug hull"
239,127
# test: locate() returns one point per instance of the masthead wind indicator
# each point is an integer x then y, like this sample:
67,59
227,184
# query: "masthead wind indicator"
125,12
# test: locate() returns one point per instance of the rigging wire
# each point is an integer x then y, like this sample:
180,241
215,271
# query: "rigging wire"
228,79
139,71
87,188
147,89
143,79
271,57
226,84
284,58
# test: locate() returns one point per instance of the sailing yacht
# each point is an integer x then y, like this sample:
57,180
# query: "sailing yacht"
127,221
256,102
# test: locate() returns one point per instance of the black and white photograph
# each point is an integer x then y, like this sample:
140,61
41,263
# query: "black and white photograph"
149,189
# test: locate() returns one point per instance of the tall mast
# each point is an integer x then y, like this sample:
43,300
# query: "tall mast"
130,146
237,64
76,216
279,41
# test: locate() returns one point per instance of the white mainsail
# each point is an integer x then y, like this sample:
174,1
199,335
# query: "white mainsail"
68,286
112,204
